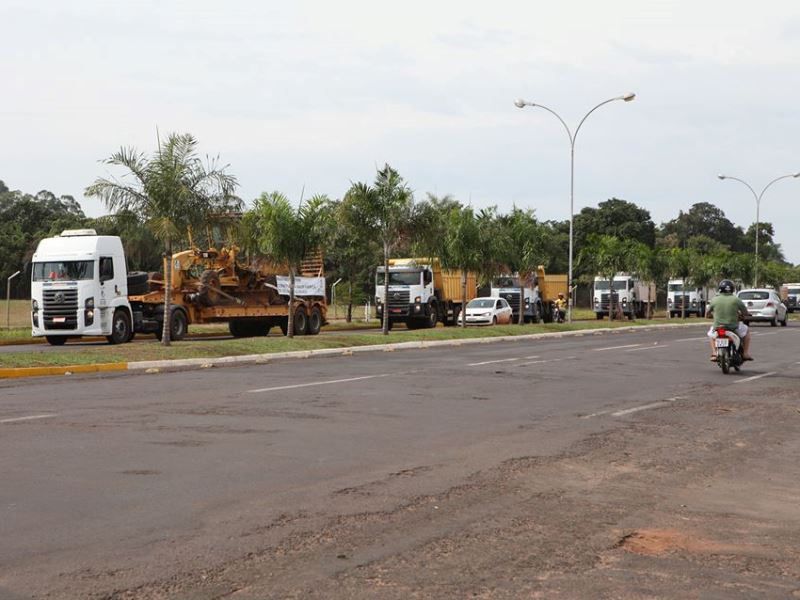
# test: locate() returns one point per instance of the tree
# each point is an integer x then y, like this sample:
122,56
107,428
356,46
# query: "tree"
287,235
351,250
522,246
651,266
704,219
680,262
170,192
387,210
461,247
618,218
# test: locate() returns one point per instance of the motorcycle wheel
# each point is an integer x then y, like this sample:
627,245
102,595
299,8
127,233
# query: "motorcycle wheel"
725,361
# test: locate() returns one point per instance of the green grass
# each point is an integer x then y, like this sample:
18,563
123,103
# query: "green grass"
266,345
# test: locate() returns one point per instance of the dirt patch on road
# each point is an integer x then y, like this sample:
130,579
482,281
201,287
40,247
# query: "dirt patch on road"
656,542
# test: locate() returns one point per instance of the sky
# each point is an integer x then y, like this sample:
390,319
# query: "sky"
306,97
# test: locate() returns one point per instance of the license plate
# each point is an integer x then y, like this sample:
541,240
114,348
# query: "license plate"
722,342
59,319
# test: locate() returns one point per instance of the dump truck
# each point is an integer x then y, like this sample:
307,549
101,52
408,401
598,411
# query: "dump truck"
624,294
539,292
685,299
81,287
421,292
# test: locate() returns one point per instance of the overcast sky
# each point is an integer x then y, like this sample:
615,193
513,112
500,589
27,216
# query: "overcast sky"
319,93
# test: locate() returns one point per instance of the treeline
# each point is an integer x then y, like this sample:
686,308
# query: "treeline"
379,219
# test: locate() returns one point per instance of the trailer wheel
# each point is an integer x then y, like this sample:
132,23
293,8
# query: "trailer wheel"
314,321
56,340
120,328
235,326
300,322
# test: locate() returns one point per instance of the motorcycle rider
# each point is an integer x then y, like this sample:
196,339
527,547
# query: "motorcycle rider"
727,310
561,306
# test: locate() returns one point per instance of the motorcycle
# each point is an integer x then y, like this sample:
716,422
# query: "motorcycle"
559,314
729,349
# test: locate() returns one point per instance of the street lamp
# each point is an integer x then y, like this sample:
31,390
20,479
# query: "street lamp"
520,103
758,208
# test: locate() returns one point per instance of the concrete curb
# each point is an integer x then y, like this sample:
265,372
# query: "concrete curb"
157,366
68,370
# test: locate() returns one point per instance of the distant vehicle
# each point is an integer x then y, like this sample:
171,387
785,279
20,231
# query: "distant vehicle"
630,296
488,311
539,291
790,292
421,292
680,295
764,304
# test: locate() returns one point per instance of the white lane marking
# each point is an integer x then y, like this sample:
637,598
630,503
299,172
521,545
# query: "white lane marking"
315,383
654,346
615,347
659,404
597,414
548,360
30,418
754,377
758,333
694,339
491,362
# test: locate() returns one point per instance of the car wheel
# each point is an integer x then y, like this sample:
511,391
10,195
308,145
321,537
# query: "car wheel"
494,320
785,321
774,322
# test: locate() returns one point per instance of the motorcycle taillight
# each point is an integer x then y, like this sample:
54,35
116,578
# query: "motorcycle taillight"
722,332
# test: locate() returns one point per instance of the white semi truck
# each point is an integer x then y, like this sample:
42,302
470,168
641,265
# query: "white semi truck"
790,293
685,299
79,286
624,294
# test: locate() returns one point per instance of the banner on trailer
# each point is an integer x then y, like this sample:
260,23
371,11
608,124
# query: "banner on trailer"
303,286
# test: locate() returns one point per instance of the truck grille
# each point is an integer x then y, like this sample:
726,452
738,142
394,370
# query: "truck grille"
605,302
513,300
791,301
60,309
679,301
399,299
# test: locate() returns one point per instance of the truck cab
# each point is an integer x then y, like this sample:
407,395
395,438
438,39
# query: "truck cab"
683,298
626,294
508,287
411,293
791,297
79,287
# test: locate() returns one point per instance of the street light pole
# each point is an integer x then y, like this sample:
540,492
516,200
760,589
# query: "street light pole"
758,211
520,103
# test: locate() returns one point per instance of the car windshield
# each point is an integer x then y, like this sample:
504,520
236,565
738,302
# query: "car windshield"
754,295
603,285
63,270
400,278
481,303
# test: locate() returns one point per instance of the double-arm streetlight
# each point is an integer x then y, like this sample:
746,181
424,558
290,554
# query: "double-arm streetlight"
522,104
758,208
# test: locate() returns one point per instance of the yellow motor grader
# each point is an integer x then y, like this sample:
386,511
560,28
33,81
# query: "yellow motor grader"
223,285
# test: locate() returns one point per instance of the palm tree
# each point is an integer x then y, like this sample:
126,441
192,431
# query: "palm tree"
523,238
287,235
461,247
387,210
170,192
680,263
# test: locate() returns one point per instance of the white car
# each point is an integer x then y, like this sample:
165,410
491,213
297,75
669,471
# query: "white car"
487,311
764,305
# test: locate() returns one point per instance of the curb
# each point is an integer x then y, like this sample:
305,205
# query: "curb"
158,366
68,370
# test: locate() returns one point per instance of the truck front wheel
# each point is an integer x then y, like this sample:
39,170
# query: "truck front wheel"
56,340
120,328
433,318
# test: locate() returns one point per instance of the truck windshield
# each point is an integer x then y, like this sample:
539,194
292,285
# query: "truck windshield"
603,285
794,290
506,282
676,287
401,278
63,270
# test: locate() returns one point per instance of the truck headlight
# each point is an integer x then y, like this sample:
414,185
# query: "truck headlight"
624,300
377,301
34,306
417,308
89,303
596,301
417,299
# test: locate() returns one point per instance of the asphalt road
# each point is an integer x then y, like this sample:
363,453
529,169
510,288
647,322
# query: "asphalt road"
413,473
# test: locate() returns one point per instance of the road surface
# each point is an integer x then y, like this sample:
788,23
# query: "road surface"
606,465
